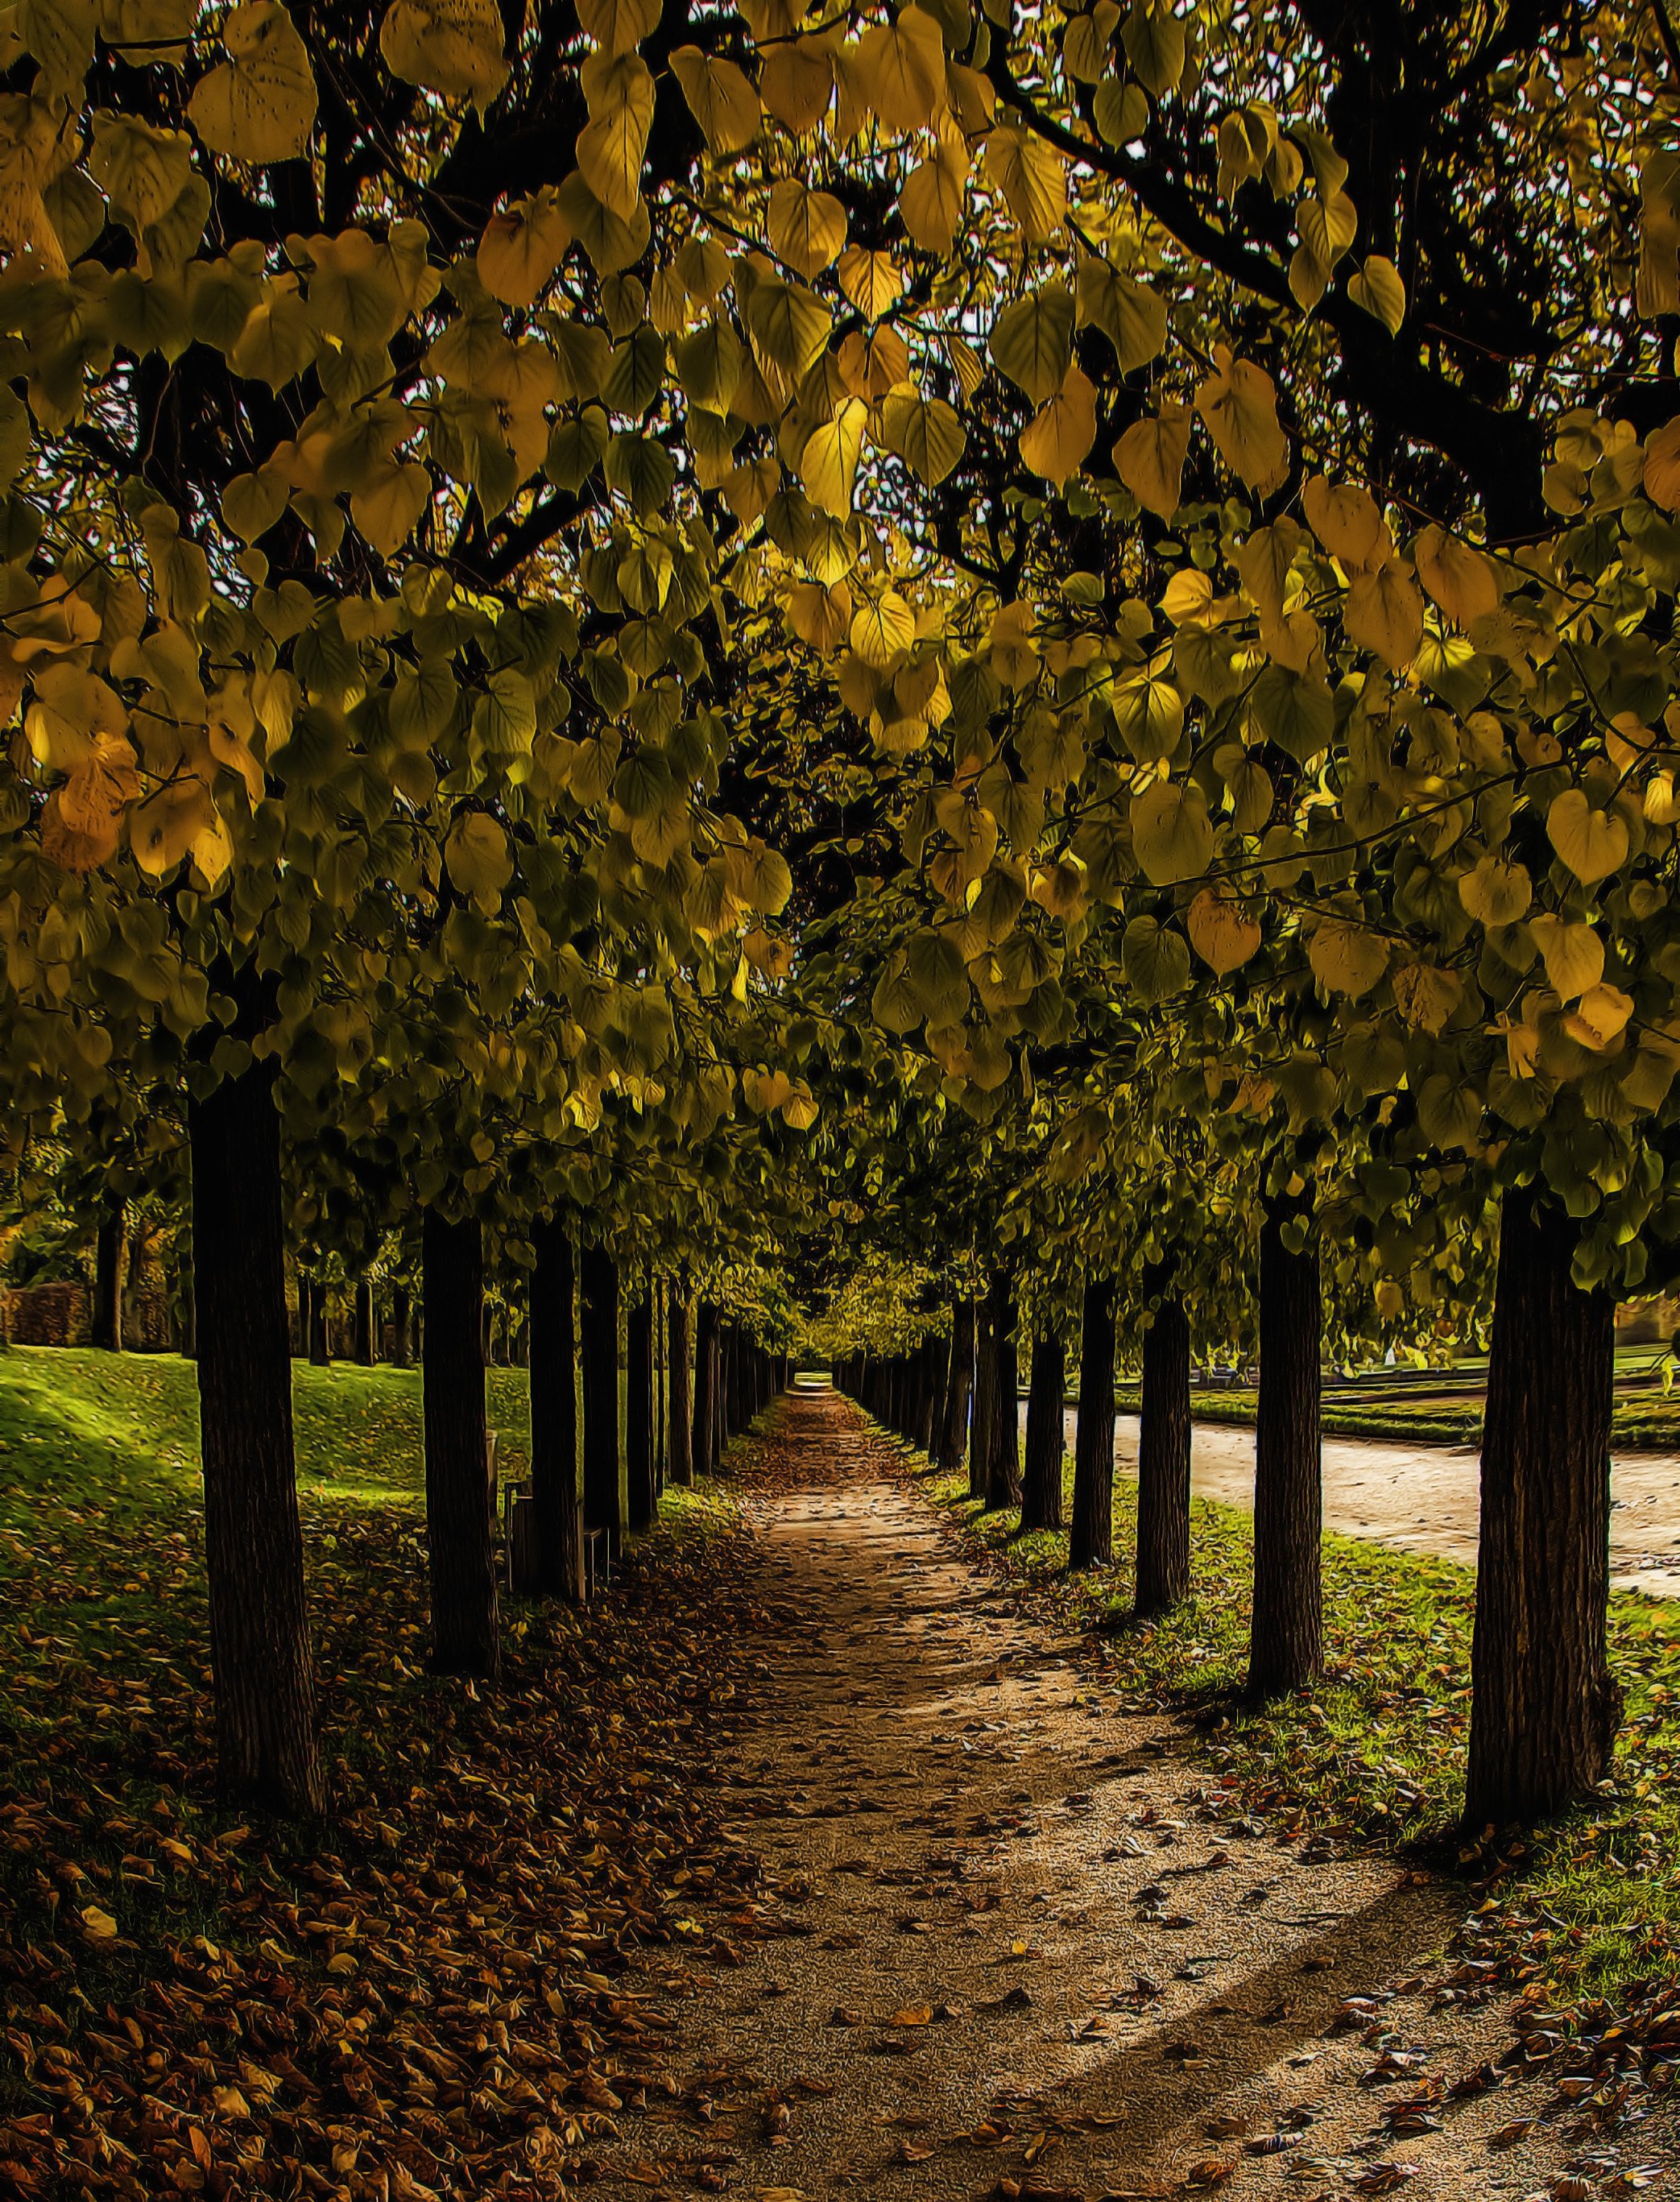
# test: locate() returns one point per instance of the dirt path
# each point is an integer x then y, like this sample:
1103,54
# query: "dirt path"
1424,1497
1004,1934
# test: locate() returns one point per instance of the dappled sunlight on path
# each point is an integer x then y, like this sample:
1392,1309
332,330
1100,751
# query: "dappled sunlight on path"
1008,1939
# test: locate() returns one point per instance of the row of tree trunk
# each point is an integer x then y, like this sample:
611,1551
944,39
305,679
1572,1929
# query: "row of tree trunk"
1545,1707
259,1634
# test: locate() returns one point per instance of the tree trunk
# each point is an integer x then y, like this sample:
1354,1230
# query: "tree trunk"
253,1544
985,1398
109,1246
598,1305
1544,1707
133,1287
1286,1642
364,1323
1042,1485
1091,1541
186,1313
680,1418
554,1487
402,1325
1003,1481
1164,1463
704,1459
644,1507
320,1339
959,1388
459,1545
930,1391
661,1385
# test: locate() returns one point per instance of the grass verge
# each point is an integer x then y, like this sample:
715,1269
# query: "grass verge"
1639,1424
197,2003
1587,1907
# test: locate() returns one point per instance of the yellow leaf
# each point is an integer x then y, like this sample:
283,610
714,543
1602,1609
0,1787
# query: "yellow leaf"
387,506
1345,958
94,798
1057,437
611,144
1497,892
1011,645
1573,954
1221,931
1662,467
98,1926
477,857
1155,45
1238,402
163,829
212,850
452,47
1032,341
871,281
1378,289
1171,837
1149,459
1033,178
828,462
1131,316
797,81
1384,614
521,247
884,630
1426,996
925,433
1346,520
1599,1017
806,228
1457,576
819,616
931,202
1592,842
720,98
900,70
615,25
259,105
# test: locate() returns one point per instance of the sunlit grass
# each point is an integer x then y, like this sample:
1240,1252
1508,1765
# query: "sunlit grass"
1376,1753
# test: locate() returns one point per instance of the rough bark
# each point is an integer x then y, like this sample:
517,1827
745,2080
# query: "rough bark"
1544,1708
554,1480
1287,1640
598,1275
253,1546
109,1246
1091,1540
661,1384
680,1392
1003,1478
459,1545
644,1502
959,1388
705,1390
1164,1463
985,1398
1042,1481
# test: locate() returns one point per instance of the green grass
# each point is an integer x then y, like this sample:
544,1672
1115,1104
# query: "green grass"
1589,1906
103,1673
1651,1420
100,1506
127,1888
